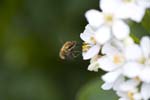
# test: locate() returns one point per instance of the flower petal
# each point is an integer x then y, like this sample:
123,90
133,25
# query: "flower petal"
128,41
91,52
133,52
118,44
137,96
145,91
109,5
144,3
132,69
145,44
137,13
132,11
123,95
111,77
108,49
129,85
106,64
145,74
107,86
85,37
120,29
103,34
118,83
124,10
123,99
94,17
93,66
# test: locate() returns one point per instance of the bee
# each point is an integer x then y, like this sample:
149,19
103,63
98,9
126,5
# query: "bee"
69,50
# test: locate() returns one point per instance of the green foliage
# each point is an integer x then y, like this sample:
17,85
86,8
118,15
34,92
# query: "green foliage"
141,29
137,31
146,21
31,35
93,91
28,86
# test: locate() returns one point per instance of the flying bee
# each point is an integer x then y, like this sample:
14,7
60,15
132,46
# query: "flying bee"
70,50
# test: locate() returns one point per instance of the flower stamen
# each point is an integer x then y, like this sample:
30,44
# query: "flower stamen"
93,40
127,1
118,59
108,18
85,47
130,95
142,60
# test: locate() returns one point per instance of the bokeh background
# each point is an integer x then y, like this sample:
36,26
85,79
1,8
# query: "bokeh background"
31,35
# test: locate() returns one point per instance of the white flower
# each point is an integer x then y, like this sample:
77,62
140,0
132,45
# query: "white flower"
108,25
112,80
144,3
113,57
139,66
128,90
90,47
94,65
132,69
133,53
132,9
145,74
112,62
127,64
145,91
145,46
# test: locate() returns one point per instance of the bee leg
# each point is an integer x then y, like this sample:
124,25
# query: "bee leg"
78,47
76,53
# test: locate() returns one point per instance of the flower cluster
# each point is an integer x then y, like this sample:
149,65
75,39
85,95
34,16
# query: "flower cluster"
109,47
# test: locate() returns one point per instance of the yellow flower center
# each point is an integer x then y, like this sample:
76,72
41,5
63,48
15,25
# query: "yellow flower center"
85,47
108,18
127,1
93,40
130,95
142,60
118,59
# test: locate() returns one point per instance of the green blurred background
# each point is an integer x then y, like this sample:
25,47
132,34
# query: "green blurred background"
31,35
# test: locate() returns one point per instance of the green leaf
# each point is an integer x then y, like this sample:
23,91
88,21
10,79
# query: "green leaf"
137,30
146,21
93,91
